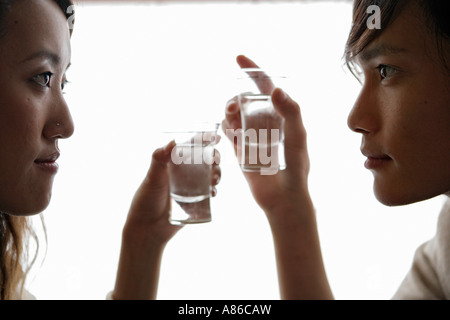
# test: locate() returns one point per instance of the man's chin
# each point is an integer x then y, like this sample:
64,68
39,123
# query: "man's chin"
395,197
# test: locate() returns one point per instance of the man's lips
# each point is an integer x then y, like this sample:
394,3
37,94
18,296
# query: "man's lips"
375,160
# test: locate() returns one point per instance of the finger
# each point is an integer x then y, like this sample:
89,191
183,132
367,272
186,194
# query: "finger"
295,134
245,62
216,139
216,175
232,125
216,158
157,176
233,114
261,79
216,161
213,192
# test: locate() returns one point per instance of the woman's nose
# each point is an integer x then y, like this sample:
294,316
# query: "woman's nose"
60,124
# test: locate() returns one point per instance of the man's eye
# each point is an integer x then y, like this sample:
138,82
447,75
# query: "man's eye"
386,71
43,79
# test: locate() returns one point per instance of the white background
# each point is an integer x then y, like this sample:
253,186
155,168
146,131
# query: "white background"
136,69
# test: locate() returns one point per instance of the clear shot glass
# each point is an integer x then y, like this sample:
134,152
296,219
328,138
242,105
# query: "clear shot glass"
190,173
262,137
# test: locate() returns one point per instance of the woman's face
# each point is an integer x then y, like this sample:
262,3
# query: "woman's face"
403,112
34,56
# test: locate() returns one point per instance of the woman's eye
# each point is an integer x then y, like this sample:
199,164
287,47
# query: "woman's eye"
63,85
43,79
386,71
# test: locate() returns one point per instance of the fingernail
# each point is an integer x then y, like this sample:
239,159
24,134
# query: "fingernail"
232,107
169,146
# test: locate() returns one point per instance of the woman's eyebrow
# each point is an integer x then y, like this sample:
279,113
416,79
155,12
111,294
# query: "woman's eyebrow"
46,55
380,50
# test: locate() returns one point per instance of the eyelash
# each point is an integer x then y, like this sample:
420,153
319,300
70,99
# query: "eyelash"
47,80
383,75
63,85
37,79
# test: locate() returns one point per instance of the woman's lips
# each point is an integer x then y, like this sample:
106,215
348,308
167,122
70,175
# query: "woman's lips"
376,163
48,163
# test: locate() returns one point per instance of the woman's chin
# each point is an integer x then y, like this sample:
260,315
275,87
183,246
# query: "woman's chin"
30,209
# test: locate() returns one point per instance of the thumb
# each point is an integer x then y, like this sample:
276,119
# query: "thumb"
153,193
157,176
296,152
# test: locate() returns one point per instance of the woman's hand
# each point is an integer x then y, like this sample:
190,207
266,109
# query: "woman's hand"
147,230
148,218
150,210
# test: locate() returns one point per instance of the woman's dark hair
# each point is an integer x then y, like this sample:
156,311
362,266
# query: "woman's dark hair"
435,12
15,231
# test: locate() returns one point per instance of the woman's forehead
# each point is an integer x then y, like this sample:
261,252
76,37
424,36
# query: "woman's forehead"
35,26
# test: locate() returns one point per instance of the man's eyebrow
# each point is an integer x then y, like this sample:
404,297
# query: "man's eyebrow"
379,50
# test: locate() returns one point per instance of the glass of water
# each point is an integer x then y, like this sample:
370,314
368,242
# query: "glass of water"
190,173
262,137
